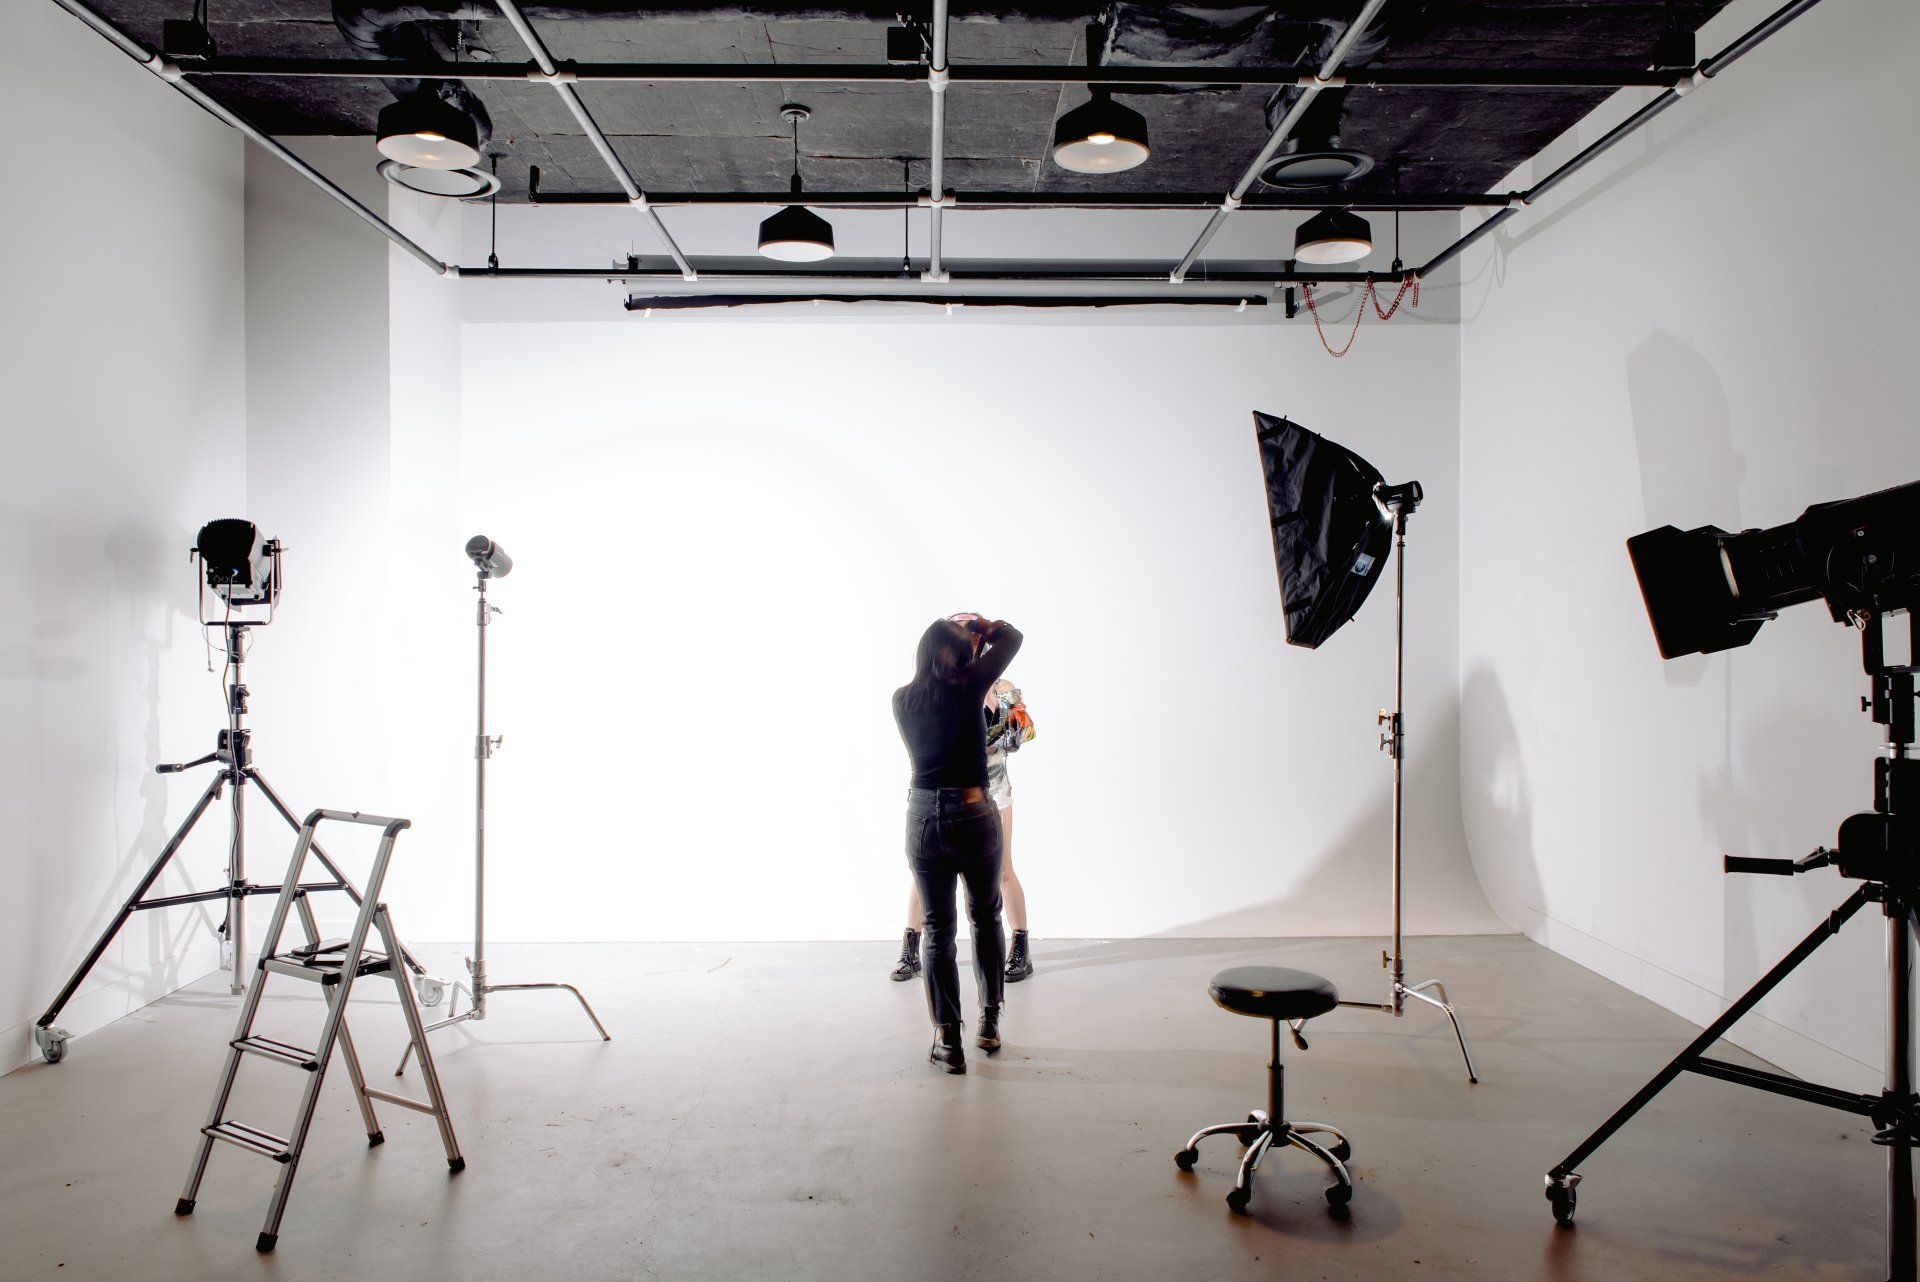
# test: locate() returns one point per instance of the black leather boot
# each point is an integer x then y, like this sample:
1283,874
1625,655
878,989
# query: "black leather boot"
1019,960
949,1053
989,1039
909,967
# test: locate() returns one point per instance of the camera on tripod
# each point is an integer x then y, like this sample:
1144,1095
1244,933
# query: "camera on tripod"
241,569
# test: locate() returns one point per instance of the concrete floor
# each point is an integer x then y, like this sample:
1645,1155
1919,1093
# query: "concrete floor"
765,1112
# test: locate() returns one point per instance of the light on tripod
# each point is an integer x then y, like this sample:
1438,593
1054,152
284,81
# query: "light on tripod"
234,573
489,557
1707,590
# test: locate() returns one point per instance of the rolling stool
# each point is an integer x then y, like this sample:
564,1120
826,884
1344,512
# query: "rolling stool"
1277,995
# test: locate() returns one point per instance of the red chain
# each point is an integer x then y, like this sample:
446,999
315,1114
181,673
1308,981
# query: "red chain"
1367,296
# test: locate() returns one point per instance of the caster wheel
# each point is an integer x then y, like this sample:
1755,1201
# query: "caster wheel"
1185,1159
1338,1196
1343,1151
429,990
1238,1199
1562,1200
52,1043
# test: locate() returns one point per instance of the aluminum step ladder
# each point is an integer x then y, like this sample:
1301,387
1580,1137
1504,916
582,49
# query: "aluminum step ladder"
334,965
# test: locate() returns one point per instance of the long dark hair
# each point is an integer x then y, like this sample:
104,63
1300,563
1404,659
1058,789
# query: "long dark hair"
939,663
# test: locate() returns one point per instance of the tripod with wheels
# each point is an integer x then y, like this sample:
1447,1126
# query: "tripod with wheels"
487,564
1401,501
1880,849
233,753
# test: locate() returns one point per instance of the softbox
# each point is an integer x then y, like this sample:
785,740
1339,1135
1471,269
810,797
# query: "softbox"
1330,535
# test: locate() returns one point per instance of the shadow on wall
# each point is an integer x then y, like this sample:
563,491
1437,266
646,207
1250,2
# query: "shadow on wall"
1497,804
1356,868
143,565
1690,472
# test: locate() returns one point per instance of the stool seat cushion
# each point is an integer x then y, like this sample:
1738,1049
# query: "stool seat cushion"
1273,992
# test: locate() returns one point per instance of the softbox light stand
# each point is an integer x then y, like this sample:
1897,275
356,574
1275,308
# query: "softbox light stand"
1331,512
488,562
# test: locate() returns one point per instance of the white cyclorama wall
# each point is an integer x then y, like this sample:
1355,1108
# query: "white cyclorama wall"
1677,338
121,335
729,537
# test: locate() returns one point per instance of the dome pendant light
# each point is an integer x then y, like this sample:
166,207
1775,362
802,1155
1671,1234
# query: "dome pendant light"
1100,137
1333,236
428,132
796,234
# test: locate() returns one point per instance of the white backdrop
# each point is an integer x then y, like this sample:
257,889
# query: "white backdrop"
729,537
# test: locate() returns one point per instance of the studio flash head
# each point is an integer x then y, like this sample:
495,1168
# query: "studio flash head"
489,557
1707,590
241,570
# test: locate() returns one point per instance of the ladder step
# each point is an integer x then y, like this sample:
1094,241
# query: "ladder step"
417,1105
322,963
279,1052
252,1139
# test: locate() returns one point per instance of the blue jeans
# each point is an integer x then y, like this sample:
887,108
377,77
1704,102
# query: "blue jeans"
951,841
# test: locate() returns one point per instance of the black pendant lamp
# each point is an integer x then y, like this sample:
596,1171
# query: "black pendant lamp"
796,234
1333,236
426,131
1100,137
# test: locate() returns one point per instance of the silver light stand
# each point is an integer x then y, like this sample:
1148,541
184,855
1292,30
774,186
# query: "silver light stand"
1400,501
490,560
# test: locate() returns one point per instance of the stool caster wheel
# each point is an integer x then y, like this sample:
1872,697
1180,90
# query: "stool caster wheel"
1562,1201
1338,1196
1238,1199
1185,1159
430,990
1343,1150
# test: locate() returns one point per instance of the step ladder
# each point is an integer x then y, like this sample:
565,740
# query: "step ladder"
334,965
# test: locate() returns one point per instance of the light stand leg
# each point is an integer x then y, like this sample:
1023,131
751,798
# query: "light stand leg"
1901,1248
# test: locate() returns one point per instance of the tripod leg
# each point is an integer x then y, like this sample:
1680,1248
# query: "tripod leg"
133,901
1708,1036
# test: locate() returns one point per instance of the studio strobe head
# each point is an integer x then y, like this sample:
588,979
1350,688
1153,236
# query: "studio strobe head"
489,557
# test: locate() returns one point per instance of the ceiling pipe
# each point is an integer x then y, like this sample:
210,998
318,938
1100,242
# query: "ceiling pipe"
968,73
1446,201
1686,85
1327,77
562,83
170,72
937,149
668,302
1000,281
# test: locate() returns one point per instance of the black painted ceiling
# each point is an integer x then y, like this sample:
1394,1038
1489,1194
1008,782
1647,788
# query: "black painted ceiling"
709,137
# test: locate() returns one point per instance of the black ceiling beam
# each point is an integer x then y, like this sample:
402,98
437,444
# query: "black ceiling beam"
894,73
1030,200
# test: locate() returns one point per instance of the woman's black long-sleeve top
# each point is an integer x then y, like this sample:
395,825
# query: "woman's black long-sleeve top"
947,737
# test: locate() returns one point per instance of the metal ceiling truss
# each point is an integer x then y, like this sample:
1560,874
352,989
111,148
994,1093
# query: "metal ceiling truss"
1097,284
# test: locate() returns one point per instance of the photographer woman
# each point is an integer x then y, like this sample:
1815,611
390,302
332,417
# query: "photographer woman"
953,826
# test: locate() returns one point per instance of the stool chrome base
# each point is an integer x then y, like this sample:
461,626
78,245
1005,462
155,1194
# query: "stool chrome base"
1259,1134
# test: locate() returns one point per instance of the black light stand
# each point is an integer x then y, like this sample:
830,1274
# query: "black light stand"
1400,501
234,754
489,561
1881,849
